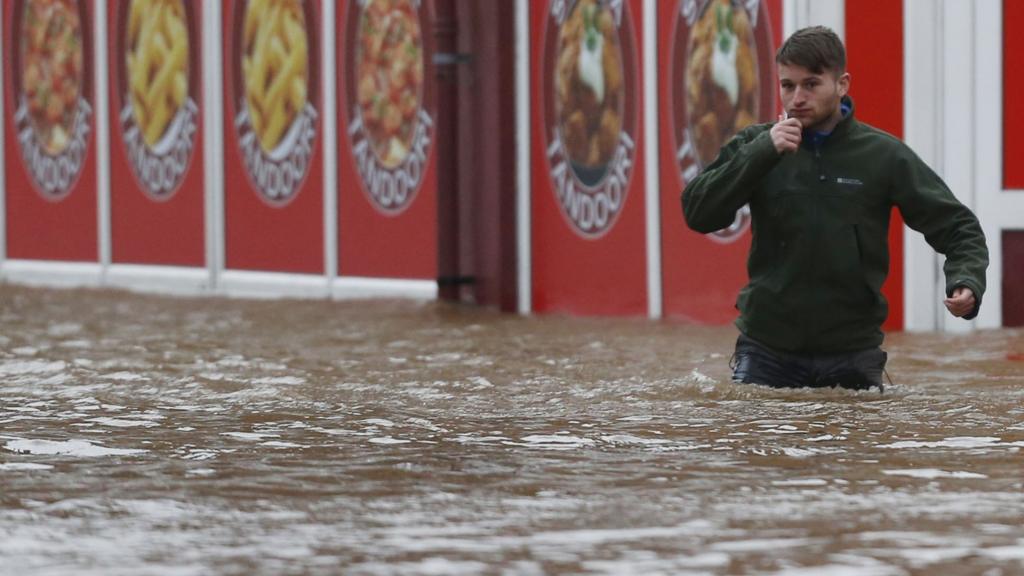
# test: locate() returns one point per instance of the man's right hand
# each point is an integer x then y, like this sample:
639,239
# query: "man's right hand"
786,135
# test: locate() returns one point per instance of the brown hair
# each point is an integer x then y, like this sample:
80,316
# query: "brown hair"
816,48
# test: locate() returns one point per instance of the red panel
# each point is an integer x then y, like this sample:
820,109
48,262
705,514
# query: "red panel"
874,45
588,241
1013,85
273,183
50,166
702,274
1013,278
387,180
156,166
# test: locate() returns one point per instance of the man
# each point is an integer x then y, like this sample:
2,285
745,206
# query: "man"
820,186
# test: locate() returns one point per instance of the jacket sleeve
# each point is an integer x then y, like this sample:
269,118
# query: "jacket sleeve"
948,226
710,200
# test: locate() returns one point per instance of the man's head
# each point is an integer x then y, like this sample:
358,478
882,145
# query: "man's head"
812,77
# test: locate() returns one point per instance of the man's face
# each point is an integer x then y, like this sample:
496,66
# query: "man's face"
811,98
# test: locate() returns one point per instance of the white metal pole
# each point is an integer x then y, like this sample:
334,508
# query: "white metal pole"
652,176
524,265
330,141
102,137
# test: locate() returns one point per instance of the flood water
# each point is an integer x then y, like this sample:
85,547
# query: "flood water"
152,435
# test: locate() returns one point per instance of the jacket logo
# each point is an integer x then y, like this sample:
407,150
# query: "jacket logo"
849,181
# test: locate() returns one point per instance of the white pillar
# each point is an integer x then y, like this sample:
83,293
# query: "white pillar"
523,222
802,13
652,178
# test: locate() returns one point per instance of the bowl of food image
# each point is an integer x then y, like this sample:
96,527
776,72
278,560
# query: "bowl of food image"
589,89
389,77
721,77
157,67
275,71
51,69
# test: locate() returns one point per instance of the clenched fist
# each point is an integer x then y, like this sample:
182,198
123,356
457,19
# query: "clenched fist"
786,135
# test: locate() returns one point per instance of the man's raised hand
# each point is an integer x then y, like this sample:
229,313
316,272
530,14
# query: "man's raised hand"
786,135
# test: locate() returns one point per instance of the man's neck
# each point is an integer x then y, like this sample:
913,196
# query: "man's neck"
829,124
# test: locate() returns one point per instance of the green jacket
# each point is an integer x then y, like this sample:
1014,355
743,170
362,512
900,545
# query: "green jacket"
820,223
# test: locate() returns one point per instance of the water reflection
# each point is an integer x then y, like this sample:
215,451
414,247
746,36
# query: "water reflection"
144,435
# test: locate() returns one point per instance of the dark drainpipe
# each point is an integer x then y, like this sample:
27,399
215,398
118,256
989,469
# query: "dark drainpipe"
447,63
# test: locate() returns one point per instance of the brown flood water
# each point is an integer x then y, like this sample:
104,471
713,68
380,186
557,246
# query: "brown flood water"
150,435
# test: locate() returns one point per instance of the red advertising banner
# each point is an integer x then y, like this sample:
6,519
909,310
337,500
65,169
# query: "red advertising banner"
589,247
387,169
156,153
1013,86
50,130
273,136
874,55
716,61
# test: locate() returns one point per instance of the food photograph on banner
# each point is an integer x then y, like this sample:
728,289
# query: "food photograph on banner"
156,160
717,76
588,207
50,130
387,213
273,147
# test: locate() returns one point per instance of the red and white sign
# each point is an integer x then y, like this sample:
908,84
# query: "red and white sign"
50,130
273,149
589,253
156,157
387,189
716,76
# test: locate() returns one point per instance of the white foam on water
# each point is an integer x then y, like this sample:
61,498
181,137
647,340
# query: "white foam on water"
953,442
124,376
250,435
1004,553
123,423
25,351
63,329
932,473
23,367
630,439
388,440
764,544
554,441
24,466
801,482
81,448
378,422
279,444
280,380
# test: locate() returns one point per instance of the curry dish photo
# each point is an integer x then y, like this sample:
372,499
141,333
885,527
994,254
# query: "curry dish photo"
589,88
51,64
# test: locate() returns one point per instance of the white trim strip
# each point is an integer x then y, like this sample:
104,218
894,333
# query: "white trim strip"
102,119
651,174
51,274
523,221
213,130
330,139
350,288
995,209
922,105
270,285
166,280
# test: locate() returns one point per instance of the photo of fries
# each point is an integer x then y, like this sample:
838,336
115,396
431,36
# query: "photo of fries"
157,64
52,69
275,54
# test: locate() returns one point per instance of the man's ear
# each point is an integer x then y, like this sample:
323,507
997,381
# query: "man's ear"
844,83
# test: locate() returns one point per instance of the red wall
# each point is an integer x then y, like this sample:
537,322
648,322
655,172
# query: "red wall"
55,220
1013,86
272,226
874,45
702,274
591,264
156,217
379,235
